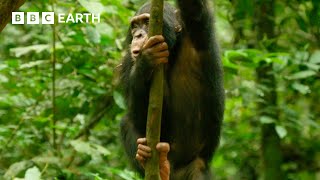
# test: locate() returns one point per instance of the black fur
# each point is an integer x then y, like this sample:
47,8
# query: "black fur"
194,95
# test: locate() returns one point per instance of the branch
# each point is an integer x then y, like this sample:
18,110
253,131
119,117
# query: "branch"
155,97
6,8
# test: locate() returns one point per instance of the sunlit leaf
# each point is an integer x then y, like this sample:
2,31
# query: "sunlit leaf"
105,29
94,6
32,174
124,173
302,75
93,35
89,148
3,66
315,57
16,168
3,78
119,99
102,150
266,120
33,64
281,131
303,89
47,160
20,51
313,66
111,9
81,146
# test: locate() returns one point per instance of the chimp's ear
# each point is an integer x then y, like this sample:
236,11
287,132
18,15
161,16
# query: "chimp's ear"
178,26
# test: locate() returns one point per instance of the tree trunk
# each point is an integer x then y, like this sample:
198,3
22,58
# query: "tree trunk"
270,141
6,8
155,97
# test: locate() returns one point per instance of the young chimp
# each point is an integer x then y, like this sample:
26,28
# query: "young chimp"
194,95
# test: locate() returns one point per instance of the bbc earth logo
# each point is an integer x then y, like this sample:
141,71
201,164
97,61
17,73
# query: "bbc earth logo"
49,18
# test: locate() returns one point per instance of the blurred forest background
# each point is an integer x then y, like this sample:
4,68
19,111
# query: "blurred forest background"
60,108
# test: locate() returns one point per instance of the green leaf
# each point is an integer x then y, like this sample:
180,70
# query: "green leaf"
111,9
3,79
81,146
124,173
32,174
313,123
266,120
33,64
119,99
302,75
47,160
93,35
96,177
303,89
315,57
105,29
281,131
16,168
89,148
20,51
3,66
92,6
313,66
238,56
102,150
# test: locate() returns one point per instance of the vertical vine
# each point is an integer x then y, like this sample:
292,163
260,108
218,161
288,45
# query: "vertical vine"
155,97
53,61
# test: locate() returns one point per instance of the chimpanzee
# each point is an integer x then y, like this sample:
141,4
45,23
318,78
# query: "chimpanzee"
193,103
